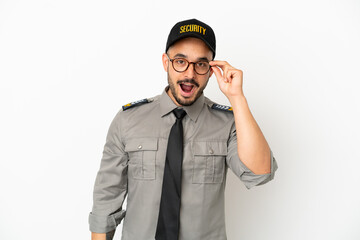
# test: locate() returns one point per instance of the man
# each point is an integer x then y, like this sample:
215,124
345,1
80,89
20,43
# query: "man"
170,154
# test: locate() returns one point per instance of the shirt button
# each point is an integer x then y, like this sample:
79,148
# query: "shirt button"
211,151
139,147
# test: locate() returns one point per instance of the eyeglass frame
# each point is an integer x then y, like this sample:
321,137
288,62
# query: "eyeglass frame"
189,63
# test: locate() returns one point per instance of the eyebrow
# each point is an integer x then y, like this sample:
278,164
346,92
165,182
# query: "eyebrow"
180,55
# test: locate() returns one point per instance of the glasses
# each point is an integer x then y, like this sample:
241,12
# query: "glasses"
181,65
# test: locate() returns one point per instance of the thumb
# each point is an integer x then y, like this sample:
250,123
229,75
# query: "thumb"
217,73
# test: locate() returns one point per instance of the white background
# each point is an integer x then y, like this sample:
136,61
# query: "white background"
66,68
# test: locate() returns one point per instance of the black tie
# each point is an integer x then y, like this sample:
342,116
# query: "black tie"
169,213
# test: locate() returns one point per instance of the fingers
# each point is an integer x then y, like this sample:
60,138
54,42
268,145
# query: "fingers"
225,67
221,76
229,72
221,64
217,73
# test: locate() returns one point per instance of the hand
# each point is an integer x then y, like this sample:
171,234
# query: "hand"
230,81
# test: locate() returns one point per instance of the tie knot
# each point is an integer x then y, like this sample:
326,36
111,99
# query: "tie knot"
179,113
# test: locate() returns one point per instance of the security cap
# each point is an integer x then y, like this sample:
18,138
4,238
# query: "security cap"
192,28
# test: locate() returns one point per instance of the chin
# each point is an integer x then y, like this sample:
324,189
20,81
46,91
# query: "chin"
186,101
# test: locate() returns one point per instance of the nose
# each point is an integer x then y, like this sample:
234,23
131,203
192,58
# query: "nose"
190,72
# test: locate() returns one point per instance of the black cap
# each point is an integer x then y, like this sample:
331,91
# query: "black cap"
192,28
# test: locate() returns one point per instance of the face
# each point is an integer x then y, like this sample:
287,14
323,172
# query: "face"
186,87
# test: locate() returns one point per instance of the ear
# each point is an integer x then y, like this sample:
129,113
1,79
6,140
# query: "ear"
211,72
165,62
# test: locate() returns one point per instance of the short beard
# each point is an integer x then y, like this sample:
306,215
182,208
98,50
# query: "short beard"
177,98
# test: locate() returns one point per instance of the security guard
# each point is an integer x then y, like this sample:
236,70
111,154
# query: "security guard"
170,154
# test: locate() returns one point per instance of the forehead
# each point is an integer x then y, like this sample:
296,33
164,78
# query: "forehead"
191,47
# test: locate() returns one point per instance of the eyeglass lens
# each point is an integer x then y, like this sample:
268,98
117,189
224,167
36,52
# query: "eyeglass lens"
181,65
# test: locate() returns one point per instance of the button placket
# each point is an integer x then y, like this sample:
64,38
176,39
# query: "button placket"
211,151
142,161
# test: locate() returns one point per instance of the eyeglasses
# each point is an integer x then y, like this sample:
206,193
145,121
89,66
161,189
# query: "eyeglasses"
181,65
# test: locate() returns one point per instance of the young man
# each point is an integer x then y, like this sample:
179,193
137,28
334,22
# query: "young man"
170,153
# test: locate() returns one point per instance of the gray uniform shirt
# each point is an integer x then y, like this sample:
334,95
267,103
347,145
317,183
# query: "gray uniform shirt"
133,164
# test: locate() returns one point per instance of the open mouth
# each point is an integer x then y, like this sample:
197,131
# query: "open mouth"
187,87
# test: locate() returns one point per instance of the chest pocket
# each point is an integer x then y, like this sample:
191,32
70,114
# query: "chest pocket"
209,162
142,155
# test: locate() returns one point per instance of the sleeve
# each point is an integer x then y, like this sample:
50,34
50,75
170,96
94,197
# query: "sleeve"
110,187
249,178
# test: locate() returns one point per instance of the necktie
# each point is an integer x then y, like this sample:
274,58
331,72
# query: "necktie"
169,213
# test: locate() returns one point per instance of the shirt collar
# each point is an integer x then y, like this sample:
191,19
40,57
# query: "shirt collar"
167,105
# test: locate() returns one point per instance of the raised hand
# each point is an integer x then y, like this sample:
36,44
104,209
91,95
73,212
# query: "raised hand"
230,80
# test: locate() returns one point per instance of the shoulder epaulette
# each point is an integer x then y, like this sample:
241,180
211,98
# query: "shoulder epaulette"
136,103
222,107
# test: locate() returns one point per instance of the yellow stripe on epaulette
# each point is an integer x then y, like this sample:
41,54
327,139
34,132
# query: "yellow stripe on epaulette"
222,107
136,103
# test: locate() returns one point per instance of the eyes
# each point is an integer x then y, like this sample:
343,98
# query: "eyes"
181,65
180,61
202,64
183,62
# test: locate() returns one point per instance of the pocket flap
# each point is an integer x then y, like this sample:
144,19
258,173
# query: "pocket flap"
141,144
210,148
